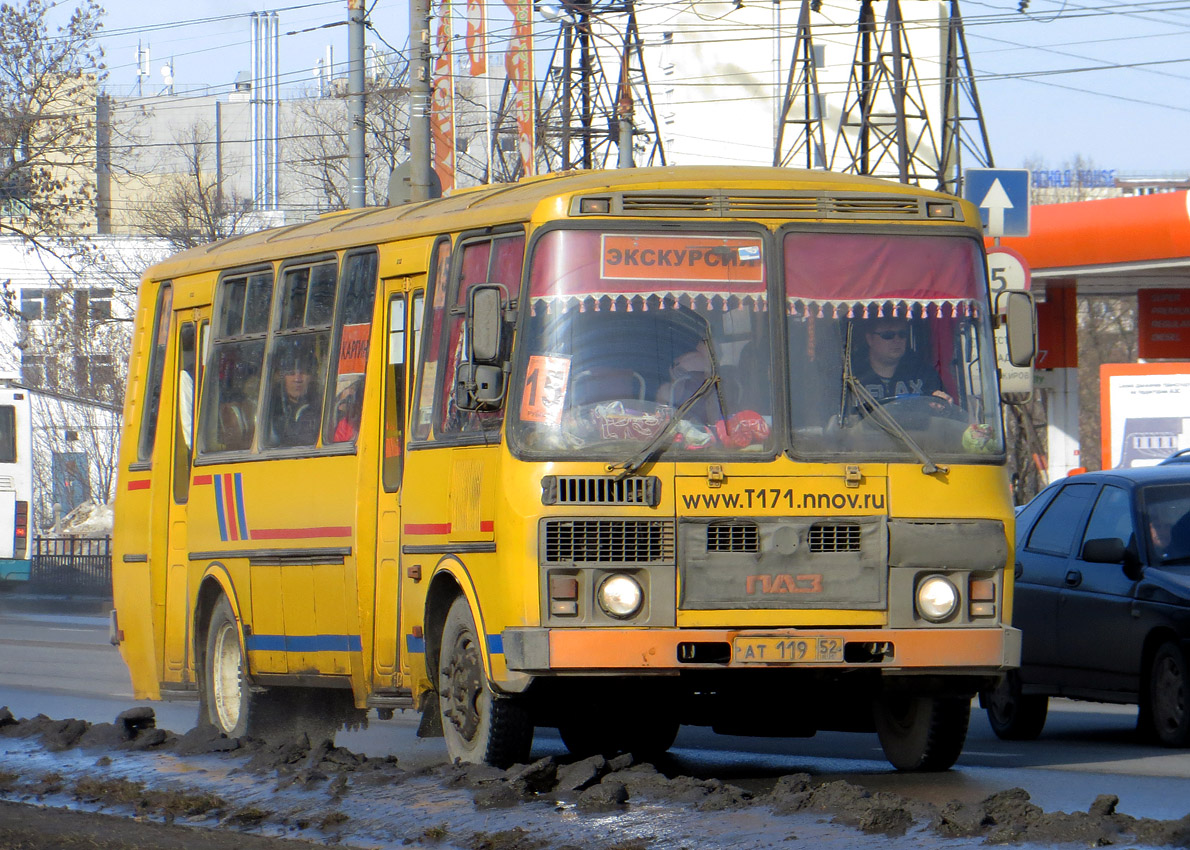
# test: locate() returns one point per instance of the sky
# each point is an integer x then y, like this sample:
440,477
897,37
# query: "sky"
1107,83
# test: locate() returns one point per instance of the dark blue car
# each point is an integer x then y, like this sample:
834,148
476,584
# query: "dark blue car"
1103,601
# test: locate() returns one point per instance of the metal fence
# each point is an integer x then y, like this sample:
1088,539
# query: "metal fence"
72,565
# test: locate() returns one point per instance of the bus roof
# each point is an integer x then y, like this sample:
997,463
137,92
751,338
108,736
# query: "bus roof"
499,203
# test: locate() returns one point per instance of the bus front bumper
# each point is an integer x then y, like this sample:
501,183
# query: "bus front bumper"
935,650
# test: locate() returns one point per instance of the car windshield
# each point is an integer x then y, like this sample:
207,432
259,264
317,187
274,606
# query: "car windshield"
1167,521
890,324
633,334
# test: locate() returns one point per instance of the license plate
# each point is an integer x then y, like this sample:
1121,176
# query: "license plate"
800,649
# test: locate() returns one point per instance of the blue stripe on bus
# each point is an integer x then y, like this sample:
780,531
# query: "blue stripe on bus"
239,484
418,645
304,643
219,508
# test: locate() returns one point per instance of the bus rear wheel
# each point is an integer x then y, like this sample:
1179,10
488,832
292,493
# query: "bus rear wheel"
480,726
922,733
230,703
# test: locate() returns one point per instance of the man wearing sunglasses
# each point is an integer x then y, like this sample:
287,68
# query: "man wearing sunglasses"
890,371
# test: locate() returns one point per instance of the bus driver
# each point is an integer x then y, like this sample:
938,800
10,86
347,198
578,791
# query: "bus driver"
888,371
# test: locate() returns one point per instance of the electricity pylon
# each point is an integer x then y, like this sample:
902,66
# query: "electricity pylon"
885,123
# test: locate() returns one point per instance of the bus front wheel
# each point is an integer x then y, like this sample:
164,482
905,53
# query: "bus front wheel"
922,733
229,701
480,726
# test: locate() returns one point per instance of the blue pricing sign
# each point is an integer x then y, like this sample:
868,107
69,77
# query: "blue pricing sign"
1002,195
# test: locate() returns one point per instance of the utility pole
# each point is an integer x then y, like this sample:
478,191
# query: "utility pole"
419,100
357,187
624,115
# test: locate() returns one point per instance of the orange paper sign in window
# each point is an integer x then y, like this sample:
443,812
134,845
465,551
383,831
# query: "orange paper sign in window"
544,395
353,350
700,259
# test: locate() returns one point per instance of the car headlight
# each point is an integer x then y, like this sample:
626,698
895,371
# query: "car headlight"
620,596
937,598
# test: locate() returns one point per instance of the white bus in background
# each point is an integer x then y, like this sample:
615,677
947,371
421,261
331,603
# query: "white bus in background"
16,479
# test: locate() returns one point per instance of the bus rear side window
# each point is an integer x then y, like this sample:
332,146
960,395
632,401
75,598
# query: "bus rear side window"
232,390
152,399
8,434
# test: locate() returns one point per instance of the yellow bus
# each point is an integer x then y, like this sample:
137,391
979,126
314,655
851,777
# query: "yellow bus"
603,451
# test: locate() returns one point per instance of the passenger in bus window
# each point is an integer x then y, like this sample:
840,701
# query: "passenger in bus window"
296,410
348,409
889,369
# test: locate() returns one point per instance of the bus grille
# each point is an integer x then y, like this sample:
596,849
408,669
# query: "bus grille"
629,541
775,204
834,538
733,537
599,490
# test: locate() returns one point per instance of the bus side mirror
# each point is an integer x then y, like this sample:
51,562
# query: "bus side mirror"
482,378
485,320
1021,325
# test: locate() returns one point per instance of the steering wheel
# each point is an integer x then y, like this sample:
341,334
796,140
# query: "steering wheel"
920,403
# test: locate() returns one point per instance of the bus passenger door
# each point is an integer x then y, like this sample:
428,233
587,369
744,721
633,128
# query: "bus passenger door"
403,310
187,377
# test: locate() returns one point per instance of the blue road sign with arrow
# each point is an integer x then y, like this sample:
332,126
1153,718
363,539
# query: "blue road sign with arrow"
1002,195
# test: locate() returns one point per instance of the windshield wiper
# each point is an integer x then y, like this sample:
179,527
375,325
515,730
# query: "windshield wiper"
656,446
881,416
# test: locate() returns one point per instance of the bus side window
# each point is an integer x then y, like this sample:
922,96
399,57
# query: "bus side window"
152,399
184,436
232,391
394,395
496,259
428,374
353,332
298,355
8,434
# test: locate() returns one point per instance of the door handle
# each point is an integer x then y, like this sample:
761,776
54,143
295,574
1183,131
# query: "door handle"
1017,570
1074,578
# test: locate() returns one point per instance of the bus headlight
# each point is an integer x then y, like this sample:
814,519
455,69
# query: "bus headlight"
937,598
620,596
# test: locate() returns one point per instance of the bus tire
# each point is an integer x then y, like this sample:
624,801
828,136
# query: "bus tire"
1012,715
231,704
480,726
922,733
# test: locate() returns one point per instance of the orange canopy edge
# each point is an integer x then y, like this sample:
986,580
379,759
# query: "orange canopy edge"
1111,231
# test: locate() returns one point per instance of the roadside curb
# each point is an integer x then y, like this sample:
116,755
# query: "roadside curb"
37,603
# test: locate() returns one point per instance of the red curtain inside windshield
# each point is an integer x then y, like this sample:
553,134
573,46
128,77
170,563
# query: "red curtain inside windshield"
861,271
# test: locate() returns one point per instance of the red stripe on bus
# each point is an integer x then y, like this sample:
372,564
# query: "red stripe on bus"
229,501
428,528
140,484
202,479
487,525
300,533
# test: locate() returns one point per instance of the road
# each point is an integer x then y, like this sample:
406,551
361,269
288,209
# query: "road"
62,665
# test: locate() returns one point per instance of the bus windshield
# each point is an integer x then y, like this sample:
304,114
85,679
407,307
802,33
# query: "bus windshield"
890,347
631,334
642,338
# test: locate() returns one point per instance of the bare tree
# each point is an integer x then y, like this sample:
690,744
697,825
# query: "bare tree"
48,82
317,144
1107,333
189,206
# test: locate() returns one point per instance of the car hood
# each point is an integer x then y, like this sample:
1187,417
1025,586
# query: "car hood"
1166,584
